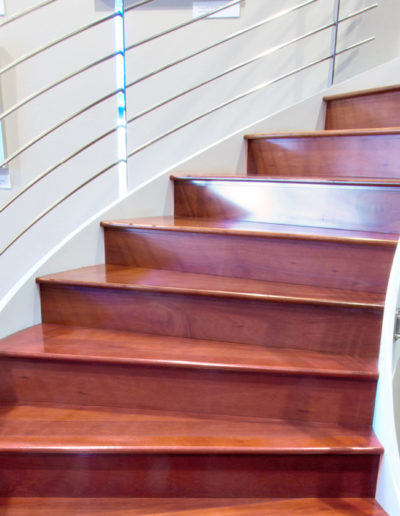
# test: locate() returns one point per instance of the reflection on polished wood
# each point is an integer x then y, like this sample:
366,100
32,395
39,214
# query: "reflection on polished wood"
362,207
190,507
373,108
319,257
365,153
224,360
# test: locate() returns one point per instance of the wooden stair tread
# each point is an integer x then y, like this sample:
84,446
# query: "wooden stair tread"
76,429
362,93
190,506
241,227
52,341
331,180
130,278
326,133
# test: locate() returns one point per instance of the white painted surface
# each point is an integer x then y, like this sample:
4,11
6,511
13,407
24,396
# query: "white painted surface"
201,7
2,9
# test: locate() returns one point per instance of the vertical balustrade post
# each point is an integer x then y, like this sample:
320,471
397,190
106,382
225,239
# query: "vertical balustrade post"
336,12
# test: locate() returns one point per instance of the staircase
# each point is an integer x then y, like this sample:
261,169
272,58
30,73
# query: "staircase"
222,361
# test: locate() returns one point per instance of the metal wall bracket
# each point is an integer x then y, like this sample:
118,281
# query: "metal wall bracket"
397,326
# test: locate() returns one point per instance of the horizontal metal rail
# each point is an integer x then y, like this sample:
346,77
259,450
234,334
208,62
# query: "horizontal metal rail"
242,96
58,203
55,42
43,135
48,171
243,64
225,40
182,25
21,14
53,85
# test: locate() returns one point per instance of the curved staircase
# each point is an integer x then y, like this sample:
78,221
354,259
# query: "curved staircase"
222,361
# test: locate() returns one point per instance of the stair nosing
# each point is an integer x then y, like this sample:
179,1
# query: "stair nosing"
110,449
362,93
345,239
195,365
249,296
325,133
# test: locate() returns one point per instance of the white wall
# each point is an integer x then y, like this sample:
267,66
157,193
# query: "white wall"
36,117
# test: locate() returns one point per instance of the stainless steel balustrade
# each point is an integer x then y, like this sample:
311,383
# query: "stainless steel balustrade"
30,10
248,62
332,56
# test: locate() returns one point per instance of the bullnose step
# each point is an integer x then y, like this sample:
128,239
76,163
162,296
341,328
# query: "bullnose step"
64,365
165,454
175,282
66,343
323,257
209,307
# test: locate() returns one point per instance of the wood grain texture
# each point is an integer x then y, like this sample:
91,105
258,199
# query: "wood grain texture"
71,429
71,343
190,507
366,154
348,264
170,475
276,395
327,205
377,108
215,318
175,282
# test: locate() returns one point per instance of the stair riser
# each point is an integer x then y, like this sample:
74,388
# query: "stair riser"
336,265
278,476
327,156
364,111
365,208
312,399
354,331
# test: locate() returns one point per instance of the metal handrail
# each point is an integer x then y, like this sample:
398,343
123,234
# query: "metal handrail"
221,42
21,14
182,25
57,203
40,137
261,86
57,41
48,171
244,63
66,78
243,95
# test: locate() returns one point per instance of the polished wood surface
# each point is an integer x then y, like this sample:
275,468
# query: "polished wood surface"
328,153
344,206
376,108
176,282
188,475
190,507
319,258
244,319
222,356
69,429
345,400
61,342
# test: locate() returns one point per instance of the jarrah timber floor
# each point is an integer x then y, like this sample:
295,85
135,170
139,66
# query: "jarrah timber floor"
223,361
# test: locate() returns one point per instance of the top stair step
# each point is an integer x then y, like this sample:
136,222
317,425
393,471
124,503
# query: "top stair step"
379,107
368,153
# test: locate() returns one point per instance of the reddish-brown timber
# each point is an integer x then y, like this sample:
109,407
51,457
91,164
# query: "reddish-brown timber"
378,107
341,259
338,153
354,206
